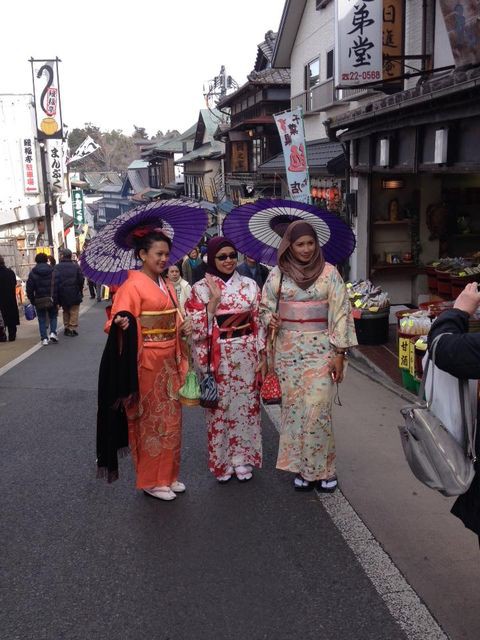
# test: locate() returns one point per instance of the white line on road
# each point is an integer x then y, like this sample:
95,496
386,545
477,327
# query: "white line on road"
401,600
36,347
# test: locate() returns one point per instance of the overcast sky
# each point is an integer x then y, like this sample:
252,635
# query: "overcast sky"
143,62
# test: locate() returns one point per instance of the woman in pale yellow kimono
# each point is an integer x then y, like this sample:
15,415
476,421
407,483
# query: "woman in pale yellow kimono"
154,418
314,329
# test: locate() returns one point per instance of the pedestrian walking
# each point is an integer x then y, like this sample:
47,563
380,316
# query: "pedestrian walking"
253,269
42,293
182,288
190,262
147,302
314,328
92,288
70,283
224,308
458,353
8,299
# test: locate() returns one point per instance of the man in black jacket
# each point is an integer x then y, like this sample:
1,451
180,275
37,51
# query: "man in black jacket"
254,270
42,293
459,354
70,291
8,299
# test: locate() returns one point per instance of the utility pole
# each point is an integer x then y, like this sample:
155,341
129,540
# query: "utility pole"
46,194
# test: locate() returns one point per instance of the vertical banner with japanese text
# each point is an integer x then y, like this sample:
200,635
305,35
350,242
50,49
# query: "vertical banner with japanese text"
55,166
358,42
29,165
292,134
393,44
78,207
47,99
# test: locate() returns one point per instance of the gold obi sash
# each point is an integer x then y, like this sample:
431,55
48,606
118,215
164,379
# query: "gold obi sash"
158,326
311,315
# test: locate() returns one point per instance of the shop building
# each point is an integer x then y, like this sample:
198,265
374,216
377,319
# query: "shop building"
414,164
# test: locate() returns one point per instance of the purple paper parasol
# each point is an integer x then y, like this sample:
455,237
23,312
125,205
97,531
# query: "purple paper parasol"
109,255
257,228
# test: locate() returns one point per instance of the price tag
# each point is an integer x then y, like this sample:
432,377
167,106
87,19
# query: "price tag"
358,303
411,364
404,353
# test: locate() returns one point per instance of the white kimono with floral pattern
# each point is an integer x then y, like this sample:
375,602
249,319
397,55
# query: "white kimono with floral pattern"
234,434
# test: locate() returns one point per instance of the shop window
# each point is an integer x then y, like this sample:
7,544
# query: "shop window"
155,176
312,74
257,153
330,63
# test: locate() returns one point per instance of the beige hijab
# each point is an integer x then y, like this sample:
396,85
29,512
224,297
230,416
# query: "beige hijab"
303,274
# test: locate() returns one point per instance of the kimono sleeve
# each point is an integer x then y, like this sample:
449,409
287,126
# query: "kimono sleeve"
258,328
341,327
196,309
128,299
269,298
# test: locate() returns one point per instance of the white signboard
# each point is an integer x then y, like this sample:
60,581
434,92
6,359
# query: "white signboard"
47,99
55,165
292,134
29,165
358,42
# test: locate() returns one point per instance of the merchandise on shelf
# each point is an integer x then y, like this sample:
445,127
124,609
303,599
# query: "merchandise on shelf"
364,295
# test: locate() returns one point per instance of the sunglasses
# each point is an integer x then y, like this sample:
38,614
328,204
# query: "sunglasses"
227,256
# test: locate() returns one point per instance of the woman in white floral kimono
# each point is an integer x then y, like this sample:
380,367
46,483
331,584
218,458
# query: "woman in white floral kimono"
224,308
314,328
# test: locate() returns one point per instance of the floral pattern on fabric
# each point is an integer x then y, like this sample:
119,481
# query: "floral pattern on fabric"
302,362
234,434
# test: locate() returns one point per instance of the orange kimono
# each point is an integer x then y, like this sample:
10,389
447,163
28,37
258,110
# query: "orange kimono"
155,419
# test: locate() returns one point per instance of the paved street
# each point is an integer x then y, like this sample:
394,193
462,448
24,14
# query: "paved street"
85,560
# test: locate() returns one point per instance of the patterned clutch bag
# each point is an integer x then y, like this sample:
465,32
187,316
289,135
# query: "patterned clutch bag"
271,392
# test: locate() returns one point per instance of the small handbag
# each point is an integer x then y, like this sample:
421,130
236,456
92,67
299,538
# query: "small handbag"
46,302
208,386
271,391
435,457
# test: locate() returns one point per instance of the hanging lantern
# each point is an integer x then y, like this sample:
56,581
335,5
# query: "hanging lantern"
322,193
331,194
314,192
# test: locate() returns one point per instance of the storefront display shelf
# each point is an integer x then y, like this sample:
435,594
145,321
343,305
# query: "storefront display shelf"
402,266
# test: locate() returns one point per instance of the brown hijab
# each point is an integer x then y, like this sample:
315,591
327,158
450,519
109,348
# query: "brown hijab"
303,274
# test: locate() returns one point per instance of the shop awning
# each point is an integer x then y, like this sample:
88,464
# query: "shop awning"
325,158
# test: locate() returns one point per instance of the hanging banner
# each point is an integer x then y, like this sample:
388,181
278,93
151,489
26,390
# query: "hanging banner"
87,147
29,165
358,42
463,26
393,44
47,99
292,134
78,207
55,165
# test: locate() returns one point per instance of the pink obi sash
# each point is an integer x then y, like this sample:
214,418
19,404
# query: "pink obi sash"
311,315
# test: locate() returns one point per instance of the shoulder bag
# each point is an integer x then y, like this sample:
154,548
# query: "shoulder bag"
433,454
271,391
46,302
208,386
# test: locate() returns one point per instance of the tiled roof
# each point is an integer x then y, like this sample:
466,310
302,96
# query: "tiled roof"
96,178
138,164
208,150
212,118
265,49
270,76
319,154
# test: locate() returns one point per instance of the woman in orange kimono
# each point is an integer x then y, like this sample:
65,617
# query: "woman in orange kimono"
154,417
